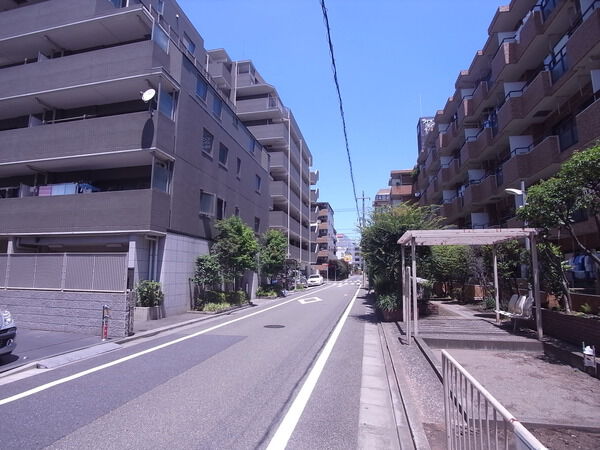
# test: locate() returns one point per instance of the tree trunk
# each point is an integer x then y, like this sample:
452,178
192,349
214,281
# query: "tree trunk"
586,250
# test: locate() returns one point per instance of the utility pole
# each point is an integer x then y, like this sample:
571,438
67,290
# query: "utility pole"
362,225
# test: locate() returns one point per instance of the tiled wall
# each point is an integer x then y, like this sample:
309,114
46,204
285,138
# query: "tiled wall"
178,261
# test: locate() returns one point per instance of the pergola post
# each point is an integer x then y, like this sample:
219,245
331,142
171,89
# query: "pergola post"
402,277
413,252
536,286
496,290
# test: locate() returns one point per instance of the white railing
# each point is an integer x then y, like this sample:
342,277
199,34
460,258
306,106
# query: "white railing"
474,418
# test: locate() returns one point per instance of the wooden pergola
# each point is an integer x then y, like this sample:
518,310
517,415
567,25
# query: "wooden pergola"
490,236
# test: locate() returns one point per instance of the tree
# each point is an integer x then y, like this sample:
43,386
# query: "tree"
379,242
235,248
272,253
449,264
208,272
554,203
338,269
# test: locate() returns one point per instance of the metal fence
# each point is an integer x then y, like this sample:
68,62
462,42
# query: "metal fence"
94,272
474,418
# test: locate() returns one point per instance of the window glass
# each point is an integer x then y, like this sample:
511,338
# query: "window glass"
236,211
258,183
256,225
166,103
217,106
207,203
161,176
223,154
201,88
188,43
207,142
160,37
238,170
220,208
160,6
250,143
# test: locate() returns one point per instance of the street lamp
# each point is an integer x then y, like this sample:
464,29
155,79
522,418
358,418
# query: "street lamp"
523,194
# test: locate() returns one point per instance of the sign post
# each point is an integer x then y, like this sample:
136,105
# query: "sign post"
105,317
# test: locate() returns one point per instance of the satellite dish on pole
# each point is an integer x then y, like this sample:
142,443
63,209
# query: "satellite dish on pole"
148,95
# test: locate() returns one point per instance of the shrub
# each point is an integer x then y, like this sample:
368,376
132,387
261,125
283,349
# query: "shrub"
585,308
236,297
215,307
387,302
489,303
149,293
214,297
267,291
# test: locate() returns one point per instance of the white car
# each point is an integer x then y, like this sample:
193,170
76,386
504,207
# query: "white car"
8,332
315,280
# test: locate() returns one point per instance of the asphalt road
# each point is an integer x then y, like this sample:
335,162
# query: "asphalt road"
224,383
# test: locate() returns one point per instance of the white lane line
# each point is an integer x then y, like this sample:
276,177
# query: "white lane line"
289,422
43,387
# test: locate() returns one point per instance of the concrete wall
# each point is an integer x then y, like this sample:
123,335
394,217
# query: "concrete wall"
76,312
178,261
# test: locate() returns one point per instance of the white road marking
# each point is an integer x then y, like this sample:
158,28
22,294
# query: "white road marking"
43,387
306,301
289,422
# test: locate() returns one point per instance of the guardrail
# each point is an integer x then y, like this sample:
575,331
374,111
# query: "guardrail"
474,418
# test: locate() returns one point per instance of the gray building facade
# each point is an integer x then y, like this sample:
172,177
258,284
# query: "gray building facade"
88,168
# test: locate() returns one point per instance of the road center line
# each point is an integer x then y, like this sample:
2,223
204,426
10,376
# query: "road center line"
43,387
289,422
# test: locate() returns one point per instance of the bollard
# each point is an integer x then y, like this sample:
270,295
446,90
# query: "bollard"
105,317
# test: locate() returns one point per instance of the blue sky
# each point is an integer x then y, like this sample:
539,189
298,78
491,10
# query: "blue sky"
396,59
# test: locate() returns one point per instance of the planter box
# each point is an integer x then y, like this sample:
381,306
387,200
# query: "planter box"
143,313
573,329
391,316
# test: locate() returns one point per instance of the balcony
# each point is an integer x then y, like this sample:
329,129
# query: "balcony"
279,194
135,210
259,108
588,124
450,173
219,73
544,158
279,219
585,40
472,150
506,55
314,195
515,169
76,24
99,77
470,107
314,177
453,210
484,191
270,134
110,134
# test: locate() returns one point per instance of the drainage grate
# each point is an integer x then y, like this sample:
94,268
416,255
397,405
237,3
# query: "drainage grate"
274,326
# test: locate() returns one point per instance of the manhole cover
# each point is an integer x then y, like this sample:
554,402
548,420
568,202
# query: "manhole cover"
274,326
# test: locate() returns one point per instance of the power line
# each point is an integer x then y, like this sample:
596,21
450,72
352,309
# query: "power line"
337,86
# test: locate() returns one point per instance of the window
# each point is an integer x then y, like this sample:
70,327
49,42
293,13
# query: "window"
566,131
188,43
217,106
160,37
166,103
207,142
161,175
201,88
160,6
236,211
207,203
221,205
223,154
258,183
238,169
256,225
250,143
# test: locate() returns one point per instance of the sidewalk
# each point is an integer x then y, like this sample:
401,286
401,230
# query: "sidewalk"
556,402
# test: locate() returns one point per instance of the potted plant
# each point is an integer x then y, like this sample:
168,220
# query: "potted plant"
390,307
149,300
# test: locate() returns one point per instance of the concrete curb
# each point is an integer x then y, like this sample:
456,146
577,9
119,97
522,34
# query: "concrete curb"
429,356
419,438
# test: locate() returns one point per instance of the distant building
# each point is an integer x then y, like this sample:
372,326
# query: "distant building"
400,190
348,250
326,241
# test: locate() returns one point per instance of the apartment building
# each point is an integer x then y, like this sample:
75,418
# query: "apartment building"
260,108
99,187
529,100
326,242
400,190
348,250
